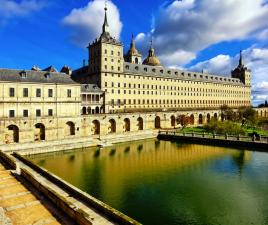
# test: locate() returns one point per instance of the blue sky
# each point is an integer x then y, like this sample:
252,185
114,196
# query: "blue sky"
193,34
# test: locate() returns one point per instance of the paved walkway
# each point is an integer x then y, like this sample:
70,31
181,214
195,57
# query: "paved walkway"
19,206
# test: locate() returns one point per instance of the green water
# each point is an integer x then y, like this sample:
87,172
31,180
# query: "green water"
166,183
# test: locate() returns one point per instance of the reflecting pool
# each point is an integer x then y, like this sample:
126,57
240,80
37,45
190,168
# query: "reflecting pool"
165,183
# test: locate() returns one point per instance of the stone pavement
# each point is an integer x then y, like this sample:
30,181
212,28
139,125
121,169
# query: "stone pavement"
19,206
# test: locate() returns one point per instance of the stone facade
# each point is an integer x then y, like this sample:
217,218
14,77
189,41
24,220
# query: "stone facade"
113,94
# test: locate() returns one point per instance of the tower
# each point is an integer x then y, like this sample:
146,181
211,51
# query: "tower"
242,72
105,54
133,56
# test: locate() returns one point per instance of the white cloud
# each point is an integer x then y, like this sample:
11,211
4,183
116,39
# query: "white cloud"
10,8
86,23
193,25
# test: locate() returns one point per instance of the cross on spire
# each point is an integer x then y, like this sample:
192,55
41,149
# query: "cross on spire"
105,26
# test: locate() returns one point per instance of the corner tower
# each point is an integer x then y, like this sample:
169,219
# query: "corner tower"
242,72
105,54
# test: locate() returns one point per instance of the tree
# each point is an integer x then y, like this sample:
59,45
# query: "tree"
227,113
183,120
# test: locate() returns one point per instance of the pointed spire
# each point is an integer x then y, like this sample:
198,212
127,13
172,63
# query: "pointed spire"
105,26
151,50
241,64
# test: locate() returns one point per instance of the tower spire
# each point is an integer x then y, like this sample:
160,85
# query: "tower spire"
241,64
105,26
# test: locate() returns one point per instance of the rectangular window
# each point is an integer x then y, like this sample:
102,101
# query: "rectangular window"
11,113
69,93
25,113
50,112
11,92
38,92
50,93
25,92
38,113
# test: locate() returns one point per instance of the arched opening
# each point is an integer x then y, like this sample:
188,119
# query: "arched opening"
40,132
84,110
112,126
208,118
261,113
70,129
157,122
200,119
136,60
222,117
215,116
192,119
97,110
88,110
95,127
140,123
265,113
173,121
13,134
126,125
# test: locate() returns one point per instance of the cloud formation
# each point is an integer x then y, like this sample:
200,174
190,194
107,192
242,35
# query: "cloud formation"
86,23
192,25
11,9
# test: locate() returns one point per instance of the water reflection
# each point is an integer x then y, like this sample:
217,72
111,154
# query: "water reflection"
158,182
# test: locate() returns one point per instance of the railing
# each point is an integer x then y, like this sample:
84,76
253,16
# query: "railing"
259,138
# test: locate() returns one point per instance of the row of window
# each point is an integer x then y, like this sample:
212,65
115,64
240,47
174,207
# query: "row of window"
156,101
177,93
156,87
25,113
171,79
38,93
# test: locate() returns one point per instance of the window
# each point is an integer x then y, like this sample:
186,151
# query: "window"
11,113
38,93
11,92
69,93
50,93
25,92
50,112
105,84
112,52
38,113
25,113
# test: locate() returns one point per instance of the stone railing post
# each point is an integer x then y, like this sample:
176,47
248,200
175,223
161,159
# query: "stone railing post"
214,135
226,136
238,137
193,134
203,134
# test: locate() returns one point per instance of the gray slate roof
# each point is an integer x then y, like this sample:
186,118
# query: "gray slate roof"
31,76
90,88
159,71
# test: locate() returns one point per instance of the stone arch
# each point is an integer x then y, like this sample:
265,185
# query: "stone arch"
208,118
200,119
192,119
265,113
97,110
88,110
126,124
173,121
95,127
136,60
70,128
215,116
40,132
13,134
112,126
261,114
140,123
84,110
157,122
